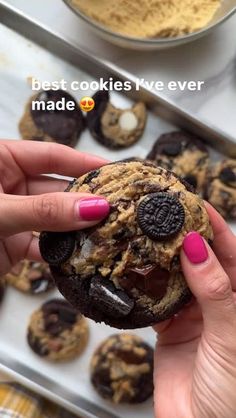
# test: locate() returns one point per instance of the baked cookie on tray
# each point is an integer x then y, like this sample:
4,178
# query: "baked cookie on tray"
221,188
126,270
116,128
61,126
184,154
30,277
122,369
57,331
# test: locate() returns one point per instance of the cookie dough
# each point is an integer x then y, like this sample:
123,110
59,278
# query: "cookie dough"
61,126
122,369
116,128
221,188
126,270
30,277
184,154
57,332
150,18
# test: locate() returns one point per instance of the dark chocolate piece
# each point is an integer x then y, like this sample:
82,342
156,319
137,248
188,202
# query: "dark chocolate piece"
191,179
59,124
108,299
36,345
151,280
56,247
160,216
172,149
58,315
227,176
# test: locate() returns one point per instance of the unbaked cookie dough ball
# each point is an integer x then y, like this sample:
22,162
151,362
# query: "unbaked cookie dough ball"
221,188
184,154
57,332
122,369
61,126
116,128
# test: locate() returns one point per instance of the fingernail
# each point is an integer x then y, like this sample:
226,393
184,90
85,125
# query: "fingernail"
92,209
195,248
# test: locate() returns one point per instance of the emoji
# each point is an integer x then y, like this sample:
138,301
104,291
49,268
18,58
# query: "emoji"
87,104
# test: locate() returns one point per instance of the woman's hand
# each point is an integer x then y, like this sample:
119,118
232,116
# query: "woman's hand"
32,202
195,360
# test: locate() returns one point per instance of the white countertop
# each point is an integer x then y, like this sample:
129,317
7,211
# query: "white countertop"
212,59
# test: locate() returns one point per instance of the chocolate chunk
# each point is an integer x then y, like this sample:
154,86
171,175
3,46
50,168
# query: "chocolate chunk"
173,149
129,357
92,175
160,216
36,345
151,279
105,297
58,316
191,179
227,176
56,247
59,124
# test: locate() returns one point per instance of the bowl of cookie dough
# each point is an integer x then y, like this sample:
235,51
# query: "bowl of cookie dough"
152,25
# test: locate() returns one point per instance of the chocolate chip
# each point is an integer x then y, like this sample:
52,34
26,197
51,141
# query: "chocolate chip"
160,216
59,124
151,280
227,175
92,175
36,344
56,247
173,149
191,179
129,357
105,297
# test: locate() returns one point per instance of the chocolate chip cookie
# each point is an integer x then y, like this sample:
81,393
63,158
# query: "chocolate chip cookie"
126,271
57,331
61,126
116,128
184,154
221,188
122,369
30,277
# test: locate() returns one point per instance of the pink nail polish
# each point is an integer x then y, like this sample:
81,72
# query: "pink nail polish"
195,248
92,209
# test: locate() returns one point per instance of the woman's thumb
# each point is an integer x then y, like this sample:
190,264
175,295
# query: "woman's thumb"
51,212
209,283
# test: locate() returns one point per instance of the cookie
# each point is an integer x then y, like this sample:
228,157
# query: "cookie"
122,369
61,126
184,154
116,128
57,331
30,277
221,188
126,271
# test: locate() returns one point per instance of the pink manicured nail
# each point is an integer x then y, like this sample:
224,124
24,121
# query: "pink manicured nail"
92,209
195,248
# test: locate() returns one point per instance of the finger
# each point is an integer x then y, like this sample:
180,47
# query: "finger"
45,158
224,244
209,283
51,212
45,184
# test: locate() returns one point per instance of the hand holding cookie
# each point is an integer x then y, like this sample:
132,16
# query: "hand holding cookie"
196,352
31,201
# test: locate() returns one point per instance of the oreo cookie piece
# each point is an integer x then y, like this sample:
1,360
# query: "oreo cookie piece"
115,128
221,188
125,271
57,331
122,369
59,246
184,154
50,124
30,277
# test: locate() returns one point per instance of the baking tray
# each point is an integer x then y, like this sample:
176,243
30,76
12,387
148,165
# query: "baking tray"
38,54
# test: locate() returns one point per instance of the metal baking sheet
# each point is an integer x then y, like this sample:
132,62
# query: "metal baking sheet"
68,384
